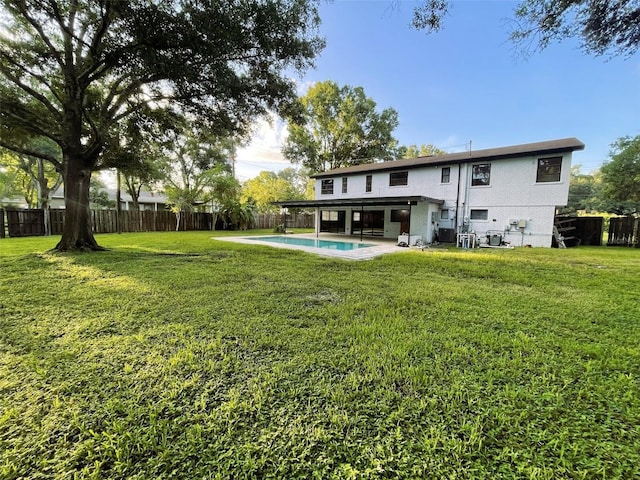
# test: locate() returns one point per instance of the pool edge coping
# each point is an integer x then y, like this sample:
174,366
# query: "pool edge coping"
377,248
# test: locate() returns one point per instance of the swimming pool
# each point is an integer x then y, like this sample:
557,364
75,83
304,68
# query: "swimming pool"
312,242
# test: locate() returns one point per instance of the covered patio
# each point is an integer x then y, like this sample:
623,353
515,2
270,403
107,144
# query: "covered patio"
367,217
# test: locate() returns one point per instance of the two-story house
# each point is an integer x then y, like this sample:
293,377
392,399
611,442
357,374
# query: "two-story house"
509,192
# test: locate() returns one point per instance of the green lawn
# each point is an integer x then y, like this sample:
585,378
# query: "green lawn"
176,356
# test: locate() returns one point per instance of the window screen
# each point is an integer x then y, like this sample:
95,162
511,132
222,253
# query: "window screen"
398,178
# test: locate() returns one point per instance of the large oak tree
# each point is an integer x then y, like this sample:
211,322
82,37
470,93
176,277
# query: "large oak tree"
71,70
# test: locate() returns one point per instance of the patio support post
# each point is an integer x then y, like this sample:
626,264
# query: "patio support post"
409,232
361,221
285,221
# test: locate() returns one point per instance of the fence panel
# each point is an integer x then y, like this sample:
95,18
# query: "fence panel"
589,230
167,222
25,223
624,231
294,220
56,220
300,220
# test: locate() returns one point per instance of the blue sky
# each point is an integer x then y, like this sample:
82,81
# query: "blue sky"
466,83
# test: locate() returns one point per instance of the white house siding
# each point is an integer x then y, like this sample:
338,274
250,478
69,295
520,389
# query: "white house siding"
537,232
512,195
515,204
423,181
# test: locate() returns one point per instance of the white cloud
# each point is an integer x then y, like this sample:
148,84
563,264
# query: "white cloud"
264,149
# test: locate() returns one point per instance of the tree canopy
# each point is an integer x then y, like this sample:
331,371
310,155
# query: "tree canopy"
602,26
339,126
585,191
198,168
413,151
268,187
621,176
139,154
71,71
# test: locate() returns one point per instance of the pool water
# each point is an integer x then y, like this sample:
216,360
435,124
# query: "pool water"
313,242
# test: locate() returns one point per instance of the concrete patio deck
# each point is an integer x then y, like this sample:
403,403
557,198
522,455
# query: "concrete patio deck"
380,246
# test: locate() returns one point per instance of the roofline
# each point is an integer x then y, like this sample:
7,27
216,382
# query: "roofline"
539,148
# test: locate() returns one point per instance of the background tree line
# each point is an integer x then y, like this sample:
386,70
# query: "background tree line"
614,187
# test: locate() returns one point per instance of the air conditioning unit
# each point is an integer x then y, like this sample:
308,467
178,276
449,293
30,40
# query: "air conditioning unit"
447,235
495,239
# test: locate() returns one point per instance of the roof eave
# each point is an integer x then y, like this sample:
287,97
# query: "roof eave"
547,148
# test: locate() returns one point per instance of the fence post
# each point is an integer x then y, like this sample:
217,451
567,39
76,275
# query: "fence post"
2,233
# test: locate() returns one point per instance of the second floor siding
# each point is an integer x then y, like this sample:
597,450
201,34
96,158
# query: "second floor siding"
529,180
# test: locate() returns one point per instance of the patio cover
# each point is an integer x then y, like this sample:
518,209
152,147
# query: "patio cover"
357,202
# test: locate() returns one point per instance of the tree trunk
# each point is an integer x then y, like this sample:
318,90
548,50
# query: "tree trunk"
77,233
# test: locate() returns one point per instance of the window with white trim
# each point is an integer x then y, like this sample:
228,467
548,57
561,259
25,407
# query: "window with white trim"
549,169
479,214
329,215
481,174
326,187
397,179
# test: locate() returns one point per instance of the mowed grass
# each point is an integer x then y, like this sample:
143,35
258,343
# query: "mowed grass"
177,356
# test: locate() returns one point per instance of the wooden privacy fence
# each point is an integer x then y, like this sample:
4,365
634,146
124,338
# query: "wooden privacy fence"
23,223
624,231
294,220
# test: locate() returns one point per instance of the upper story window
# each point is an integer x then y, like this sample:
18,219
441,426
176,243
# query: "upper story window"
368,182
549,169
445,175
481,174
344,184
397,179
326,187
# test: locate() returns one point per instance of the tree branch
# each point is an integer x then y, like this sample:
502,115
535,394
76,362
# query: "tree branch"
32,21
24,118
32,153
87,75
30,91
124,94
